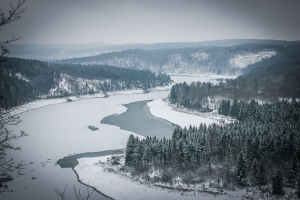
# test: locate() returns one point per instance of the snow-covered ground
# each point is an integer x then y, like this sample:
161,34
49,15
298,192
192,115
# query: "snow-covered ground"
189,78
47,102
120,186
183,117
248,58
162,109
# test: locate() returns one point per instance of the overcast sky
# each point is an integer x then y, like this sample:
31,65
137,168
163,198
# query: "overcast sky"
153,21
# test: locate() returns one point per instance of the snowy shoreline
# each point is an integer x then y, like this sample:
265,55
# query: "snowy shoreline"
107,180
48,102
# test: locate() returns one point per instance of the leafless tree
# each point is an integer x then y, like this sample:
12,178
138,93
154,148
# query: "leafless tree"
6,114
13,14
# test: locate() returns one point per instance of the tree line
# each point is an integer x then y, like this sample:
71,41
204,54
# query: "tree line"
261,149
27,80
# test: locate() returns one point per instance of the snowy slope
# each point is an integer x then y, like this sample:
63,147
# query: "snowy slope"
248,58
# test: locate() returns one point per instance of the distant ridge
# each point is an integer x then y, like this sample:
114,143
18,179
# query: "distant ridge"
52,52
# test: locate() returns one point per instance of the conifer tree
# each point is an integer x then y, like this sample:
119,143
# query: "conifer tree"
130,149
277,184
292,175
254,173
262,179
241,170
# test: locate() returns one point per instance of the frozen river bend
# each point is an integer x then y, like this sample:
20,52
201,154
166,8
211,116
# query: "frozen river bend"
60,130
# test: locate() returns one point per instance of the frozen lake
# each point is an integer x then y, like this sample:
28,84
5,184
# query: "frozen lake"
60,130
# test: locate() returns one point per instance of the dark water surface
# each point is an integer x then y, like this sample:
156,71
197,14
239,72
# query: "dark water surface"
138,119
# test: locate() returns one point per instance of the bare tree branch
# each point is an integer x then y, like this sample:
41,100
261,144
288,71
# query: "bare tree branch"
14,14
77,193
61,194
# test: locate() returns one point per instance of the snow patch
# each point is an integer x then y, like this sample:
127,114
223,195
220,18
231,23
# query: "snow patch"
246,59
21,77
200,56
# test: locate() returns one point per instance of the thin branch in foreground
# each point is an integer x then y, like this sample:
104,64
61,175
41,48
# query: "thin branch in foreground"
61,194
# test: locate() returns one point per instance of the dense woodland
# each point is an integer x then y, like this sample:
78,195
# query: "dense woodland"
261,149
27,80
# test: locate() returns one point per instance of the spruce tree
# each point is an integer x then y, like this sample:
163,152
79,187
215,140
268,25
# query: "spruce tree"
241,170
292,175
277,184
298,191
262,179
254,173
129,150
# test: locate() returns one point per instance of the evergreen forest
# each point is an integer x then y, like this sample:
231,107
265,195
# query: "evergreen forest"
261,148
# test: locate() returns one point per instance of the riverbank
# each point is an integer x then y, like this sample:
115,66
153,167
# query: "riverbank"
184,117
162,109
96,172
47,102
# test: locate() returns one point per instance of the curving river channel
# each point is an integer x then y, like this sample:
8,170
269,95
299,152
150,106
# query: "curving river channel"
137,119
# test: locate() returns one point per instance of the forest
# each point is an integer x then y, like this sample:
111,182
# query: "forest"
28,80
269,81
260,149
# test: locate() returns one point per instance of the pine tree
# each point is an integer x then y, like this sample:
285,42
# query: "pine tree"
129,150
172,97
277,184
241,170
292,175
262,179
298,191
255,176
